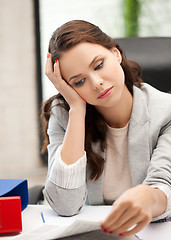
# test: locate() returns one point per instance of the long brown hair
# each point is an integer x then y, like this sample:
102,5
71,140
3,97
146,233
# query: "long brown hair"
64,38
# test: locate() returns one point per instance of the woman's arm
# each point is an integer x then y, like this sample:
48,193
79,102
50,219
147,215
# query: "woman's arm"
159,171
160,202
134,209
149,201
65,186
74,140
73,144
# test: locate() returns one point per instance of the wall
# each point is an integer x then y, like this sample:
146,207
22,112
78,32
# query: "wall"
19,137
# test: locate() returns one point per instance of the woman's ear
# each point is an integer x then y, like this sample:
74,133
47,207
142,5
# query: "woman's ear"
117,54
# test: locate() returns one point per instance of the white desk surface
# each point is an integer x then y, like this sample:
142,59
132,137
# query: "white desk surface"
32,220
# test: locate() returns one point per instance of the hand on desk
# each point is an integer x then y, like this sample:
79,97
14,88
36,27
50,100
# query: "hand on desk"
133,209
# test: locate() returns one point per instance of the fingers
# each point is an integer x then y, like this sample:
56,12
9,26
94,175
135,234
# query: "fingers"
70,95
131,227
126,219
119,214
113,216
127,226
53,73
138,227
57,70
49,67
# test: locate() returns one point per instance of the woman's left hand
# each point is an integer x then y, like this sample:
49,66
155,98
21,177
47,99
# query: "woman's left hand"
133,209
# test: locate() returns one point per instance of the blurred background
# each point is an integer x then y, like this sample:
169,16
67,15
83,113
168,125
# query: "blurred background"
25,29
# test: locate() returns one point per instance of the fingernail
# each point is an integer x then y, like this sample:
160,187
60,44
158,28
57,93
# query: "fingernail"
121,235
105,230
56,60
110,232
48,55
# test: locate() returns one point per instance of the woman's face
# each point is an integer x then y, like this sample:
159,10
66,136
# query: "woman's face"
94,72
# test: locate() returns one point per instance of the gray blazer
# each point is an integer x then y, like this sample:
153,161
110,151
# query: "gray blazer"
149,149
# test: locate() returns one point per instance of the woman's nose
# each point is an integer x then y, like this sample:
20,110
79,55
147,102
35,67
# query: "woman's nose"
96,82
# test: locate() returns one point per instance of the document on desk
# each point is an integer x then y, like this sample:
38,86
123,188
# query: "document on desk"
55,226
156,231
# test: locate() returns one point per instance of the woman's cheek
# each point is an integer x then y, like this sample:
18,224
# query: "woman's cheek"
81,93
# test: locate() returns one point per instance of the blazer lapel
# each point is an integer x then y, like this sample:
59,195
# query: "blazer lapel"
138,138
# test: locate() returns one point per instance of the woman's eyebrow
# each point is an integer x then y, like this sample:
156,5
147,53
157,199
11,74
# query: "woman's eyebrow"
75,76
94,59
78,75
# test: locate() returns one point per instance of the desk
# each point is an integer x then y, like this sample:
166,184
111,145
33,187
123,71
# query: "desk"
32,220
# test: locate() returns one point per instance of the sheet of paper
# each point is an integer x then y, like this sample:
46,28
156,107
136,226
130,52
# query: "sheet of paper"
79,226
157,231
56,226
56,231
89,213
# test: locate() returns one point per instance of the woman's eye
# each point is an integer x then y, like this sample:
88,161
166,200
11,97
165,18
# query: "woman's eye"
100,65
79,82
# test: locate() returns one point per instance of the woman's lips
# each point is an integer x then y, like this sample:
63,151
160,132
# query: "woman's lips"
106,93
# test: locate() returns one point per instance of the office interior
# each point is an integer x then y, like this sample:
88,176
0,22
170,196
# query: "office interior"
25,28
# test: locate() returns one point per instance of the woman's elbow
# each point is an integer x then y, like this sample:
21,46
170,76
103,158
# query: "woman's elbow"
65,202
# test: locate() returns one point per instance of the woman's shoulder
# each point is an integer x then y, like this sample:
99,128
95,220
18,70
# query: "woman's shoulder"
153,93
152,103
158,102
153,97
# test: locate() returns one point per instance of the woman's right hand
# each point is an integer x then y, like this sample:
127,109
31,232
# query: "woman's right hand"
73,144
70,95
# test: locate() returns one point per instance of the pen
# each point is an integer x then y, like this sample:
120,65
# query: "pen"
137,237
42,217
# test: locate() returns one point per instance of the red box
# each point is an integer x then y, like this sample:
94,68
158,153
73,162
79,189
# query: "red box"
10,214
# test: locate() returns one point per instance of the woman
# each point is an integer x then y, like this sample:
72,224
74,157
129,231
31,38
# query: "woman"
108,134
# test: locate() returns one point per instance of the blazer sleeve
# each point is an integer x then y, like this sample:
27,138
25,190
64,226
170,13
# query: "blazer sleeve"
159,171
65,188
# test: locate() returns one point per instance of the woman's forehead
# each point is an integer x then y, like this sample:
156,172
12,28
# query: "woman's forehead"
83,53
81,56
